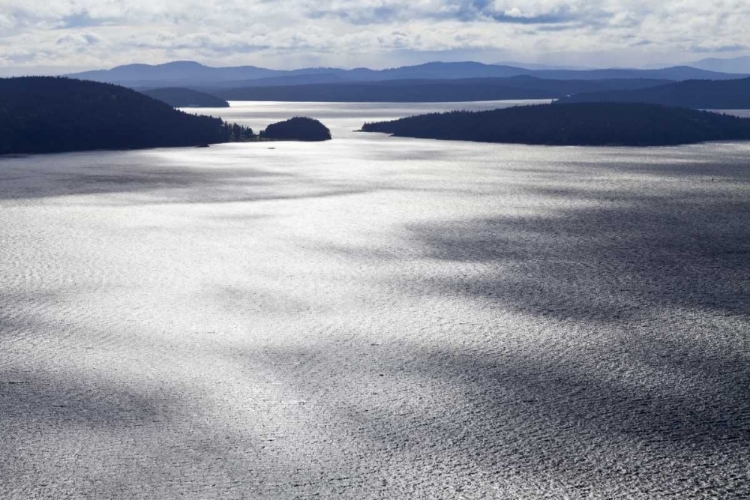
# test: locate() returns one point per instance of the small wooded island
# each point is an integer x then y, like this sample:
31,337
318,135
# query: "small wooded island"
49,114
584,124
297,129
186,98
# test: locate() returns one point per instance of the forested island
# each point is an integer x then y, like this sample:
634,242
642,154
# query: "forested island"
48,114
585,124
297,129
186,98
698,94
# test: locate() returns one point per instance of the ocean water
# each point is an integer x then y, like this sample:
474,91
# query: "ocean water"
375,317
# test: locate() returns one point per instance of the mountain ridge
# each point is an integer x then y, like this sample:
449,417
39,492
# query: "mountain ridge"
698,94
726,65
193,74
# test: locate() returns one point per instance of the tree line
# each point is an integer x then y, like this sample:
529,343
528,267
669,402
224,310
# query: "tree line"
49,114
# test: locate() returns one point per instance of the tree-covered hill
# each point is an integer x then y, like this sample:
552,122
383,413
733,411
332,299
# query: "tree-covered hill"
46,114
186,98
699,94
297,129
586,124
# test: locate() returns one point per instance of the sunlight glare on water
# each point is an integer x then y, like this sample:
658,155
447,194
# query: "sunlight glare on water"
375,317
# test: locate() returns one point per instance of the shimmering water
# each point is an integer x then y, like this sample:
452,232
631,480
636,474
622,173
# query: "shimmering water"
375,317
343,119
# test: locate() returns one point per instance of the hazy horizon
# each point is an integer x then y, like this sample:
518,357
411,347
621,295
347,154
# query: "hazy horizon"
67,36
58,71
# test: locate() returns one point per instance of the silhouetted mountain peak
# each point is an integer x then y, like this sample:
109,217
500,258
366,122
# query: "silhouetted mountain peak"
182,64
455,64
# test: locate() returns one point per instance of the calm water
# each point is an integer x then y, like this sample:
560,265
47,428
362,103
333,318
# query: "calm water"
343,119
375,317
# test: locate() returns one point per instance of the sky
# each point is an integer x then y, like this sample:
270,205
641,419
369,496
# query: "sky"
53,36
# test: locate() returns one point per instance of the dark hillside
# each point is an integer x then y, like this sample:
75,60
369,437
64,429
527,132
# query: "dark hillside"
45,115
699,94
186,98
587,124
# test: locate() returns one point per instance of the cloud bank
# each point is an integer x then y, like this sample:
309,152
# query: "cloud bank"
380,33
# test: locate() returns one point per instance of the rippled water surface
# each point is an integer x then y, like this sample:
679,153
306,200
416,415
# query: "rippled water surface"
375,317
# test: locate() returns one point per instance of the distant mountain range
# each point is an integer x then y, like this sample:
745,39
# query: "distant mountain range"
699,94
526,65
194,75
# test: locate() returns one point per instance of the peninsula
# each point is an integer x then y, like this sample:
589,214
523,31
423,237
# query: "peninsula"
584,124
49,115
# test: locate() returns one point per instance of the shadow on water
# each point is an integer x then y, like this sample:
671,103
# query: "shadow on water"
638,387
540,426
605,262
87,437
138,178
633,379
643,388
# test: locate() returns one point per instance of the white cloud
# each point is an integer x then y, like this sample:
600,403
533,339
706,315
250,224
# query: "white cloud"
286,33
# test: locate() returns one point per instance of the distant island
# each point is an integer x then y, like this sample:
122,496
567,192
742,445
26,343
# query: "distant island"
698,94
47,115
186,98
585,124
297,129
458,90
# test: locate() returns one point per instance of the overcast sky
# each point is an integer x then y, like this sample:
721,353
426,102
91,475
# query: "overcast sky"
54,35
